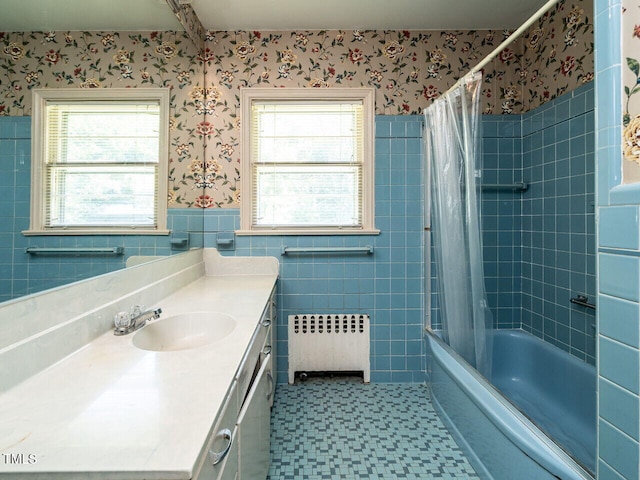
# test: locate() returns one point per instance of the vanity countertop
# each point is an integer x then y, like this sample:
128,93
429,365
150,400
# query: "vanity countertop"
111,410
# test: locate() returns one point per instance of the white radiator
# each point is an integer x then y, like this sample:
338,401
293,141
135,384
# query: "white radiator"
329,343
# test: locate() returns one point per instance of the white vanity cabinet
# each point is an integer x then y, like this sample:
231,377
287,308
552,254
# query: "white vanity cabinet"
239,444
254,427
254,418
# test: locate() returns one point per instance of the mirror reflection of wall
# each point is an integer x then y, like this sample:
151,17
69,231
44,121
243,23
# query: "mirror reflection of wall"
96,60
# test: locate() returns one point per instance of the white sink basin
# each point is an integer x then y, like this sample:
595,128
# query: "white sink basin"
184,331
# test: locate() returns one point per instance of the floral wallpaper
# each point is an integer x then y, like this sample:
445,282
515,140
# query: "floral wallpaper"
553,57
631,92
408,70
117,59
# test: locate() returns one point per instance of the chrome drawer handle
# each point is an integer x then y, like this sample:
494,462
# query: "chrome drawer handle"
266,350
217,457
271,386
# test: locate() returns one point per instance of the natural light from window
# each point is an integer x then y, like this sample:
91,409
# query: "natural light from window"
310,168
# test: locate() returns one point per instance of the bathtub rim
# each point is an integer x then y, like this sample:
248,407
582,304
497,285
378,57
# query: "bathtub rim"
515,432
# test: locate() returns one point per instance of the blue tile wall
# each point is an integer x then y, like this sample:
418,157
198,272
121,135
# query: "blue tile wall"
386,285
539,246
558,222
21,273
617,449
619,407
618,227
502,217
618,254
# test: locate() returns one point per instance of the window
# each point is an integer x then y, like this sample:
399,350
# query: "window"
307,161
99,161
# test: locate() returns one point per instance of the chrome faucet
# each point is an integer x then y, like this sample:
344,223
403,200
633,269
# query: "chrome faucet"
126,322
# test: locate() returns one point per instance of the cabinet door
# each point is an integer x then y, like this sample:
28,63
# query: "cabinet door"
254,425
274,345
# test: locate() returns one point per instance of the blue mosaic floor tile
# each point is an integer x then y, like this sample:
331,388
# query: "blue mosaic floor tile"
341,429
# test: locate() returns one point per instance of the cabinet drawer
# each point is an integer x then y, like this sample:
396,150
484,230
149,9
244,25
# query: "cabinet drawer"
219,458
251,359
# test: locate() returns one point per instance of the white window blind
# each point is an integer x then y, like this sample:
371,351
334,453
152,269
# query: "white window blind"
101,164
307,161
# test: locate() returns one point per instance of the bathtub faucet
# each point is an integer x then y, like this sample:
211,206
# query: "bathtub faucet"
126,322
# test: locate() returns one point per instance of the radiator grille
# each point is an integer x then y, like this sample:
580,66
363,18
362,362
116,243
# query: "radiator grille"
329,323
329,343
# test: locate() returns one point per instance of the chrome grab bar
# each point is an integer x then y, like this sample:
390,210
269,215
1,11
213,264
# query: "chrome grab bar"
368,249
583,301
516,187
74,250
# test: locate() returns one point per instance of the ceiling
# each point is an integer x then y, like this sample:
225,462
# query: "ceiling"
86,15
363,14
128,15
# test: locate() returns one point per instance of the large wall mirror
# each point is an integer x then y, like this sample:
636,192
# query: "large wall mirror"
66,49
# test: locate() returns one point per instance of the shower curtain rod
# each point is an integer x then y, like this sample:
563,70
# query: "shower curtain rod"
507,41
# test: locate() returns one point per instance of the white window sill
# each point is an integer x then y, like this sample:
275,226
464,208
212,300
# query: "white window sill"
97,231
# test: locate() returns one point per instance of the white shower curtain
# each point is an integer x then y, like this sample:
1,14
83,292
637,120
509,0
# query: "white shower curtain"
452,136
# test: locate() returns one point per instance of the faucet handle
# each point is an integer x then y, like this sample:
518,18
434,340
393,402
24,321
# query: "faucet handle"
122,319
122,322
136,310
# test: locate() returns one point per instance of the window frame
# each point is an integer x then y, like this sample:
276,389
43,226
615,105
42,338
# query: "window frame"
43,96
250,95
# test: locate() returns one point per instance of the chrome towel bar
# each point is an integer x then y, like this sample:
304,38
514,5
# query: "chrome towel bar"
367,249
75,250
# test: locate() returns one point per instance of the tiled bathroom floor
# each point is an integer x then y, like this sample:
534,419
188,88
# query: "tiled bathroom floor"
344,429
